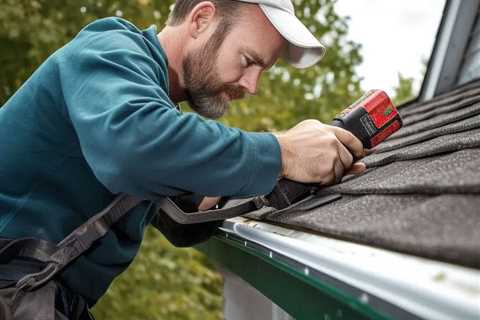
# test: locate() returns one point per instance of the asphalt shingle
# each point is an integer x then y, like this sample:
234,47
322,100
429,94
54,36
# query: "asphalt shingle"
421,194
456,127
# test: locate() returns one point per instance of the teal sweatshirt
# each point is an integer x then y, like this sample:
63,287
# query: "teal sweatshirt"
95,120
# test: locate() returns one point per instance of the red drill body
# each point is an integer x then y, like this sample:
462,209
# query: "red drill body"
372,118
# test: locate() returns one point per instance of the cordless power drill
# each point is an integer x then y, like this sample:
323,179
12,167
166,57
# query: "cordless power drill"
372,119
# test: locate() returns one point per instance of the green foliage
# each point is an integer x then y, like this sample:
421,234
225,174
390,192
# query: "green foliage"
404,90
31,30
164,282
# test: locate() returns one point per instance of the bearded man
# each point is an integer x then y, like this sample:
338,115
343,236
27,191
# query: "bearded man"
99,118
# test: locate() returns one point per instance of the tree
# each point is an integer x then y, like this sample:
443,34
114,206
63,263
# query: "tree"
32,30
404,91
164,283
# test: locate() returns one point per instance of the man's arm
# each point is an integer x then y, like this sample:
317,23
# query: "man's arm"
135,141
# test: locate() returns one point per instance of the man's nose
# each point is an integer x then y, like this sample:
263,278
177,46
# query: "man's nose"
249,81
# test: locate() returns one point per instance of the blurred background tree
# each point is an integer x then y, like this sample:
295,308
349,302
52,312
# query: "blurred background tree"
404,91
165,282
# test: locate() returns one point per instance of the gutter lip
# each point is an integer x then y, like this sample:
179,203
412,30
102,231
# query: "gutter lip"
395,284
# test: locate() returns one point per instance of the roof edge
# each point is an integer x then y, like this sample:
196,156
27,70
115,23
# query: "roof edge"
450,43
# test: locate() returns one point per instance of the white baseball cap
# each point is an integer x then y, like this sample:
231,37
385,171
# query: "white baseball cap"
304,50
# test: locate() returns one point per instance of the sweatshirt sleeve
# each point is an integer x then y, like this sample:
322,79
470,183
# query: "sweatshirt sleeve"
137,142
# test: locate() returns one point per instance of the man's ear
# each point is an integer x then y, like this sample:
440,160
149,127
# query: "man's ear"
201,18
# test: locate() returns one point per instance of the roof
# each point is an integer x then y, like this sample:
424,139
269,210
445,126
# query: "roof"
420,194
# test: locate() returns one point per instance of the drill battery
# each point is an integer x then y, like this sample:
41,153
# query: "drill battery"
372,118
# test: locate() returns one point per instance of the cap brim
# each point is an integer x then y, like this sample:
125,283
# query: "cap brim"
304,50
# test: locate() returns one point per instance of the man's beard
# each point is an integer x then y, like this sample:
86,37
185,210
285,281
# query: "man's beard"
206,94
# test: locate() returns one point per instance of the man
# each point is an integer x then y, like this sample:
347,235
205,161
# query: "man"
99,118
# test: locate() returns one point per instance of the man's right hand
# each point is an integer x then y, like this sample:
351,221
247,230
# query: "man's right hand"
313,152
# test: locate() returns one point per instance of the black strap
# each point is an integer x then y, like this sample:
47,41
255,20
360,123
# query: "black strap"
76,243
80,240
285,193
180,216
25,248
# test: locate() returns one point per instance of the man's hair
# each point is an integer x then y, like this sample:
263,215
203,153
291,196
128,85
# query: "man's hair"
226,10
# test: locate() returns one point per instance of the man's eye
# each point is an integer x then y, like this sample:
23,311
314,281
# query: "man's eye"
246,62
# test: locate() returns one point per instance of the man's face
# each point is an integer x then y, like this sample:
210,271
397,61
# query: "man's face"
221,71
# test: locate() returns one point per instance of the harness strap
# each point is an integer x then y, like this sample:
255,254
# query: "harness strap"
25,248
178,215
77,242
285,194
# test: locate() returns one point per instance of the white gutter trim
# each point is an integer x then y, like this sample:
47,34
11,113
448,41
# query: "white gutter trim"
426,288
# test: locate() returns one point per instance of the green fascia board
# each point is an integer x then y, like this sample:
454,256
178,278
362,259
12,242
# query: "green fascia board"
300,294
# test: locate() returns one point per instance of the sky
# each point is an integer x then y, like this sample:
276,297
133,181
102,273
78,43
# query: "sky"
396,37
